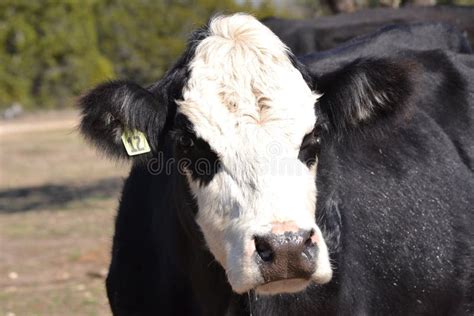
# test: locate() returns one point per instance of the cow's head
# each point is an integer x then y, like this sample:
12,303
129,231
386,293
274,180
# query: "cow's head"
242,112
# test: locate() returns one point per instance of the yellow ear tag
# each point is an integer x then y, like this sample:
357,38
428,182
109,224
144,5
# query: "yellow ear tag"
135,142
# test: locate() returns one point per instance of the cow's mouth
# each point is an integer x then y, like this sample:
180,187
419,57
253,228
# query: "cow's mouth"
283,286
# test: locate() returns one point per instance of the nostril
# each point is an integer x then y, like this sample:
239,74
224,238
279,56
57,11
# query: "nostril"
309,249
288,255
309,241
264,249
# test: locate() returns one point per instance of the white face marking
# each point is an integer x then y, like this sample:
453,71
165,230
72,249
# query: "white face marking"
246,99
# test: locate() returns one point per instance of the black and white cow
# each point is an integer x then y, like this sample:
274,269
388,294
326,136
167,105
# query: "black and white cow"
272,191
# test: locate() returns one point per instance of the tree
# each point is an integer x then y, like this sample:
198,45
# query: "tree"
51,51
142,39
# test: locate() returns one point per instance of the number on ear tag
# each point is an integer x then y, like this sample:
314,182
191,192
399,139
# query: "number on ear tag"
135,142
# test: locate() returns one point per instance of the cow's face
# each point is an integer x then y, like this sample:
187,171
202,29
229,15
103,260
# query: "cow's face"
246,104
243,118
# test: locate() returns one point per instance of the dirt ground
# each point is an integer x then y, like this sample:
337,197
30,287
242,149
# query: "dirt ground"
57,205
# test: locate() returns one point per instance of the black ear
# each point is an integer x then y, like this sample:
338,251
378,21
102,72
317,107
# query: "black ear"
363,91
302,69
113,107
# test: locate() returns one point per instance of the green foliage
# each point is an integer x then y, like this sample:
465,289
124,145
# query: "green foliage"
49,52
144,46
52,50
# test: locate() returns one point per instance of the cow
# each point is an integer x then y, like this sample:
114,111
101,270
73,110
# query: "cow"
323,33
267,189
388,41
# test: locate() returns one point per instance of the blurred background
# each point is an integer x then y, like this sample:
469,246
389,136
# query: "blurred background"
57,195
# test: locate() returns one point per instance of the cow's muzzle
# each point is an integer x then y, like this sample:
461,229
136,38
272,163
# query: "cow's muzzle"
286,255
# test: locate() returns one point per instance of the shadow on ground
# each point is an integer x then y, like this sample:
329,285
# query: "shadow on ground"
55,196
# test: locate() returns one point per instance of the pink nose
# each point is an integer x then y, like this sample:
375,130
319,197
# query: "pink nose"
283,227
279,228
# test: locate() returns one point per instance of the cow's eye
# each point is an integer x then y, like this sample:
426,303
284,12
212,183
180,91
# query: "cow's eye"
317,136
310,147
317,132
312,139
185,141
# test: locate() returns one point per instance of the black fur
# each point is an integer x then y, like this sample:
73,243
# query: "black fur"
364,91
196,156
323,33
395,196
114,106
389,41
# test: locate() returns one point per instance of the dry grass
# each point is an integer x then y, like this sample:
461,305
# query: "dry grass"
57,204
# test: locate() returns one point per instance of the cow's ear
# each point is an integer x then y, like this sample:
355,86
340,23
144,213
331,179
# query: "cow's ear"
114,107
363,91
